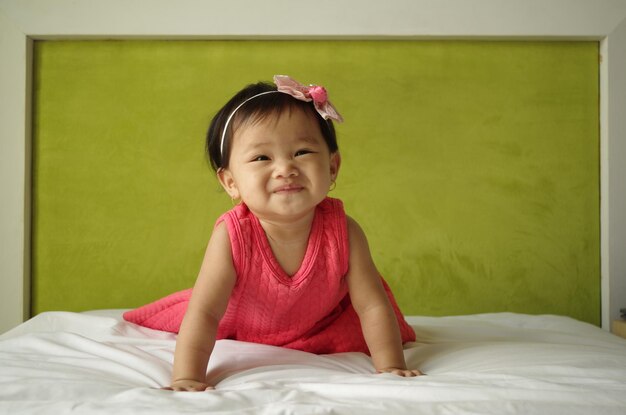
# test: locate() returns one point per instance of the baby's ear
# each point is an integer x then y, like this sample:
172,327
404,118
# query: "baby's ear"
228,183
335,163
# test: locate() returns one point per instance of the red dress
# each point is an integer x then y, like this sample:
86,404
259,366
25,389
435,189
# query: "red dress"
309,311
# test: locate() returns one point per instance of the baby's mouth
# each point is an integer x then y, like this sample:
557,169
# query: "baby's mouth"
289,188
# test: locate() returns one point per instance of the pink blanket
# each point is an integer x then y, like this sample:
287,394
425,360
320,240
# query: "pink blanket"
164,314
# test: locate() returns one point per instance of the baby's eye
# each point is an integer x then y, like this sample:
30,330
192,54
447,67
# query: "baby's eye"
303,152
260,158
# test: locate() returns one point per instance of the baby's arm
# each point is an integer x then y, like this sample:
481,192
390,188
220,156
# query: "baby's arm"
207,305
378,320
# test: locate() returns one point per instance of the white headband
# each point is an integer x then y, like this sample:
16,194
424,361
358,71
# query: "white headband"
289,86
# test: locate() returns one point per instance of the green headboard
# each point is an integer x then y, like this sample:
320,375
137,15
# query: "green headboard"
472,166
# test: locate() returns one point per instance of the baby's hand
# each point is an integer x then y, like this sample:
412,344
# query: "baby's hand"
188,385
406,373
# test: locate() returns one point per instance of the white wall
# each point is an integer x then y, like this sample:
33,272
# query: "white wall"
23,20
14,175
614,279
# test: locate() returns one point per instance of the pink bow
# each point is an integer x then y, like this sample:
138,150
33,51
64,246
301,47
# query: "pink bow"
314,93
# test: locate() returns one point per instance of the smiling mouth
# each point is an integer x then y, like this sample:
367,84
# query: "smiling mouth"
288,189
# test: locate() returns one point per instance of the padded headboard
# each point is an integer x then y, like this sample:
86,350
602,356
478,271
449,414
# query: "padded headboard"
472,166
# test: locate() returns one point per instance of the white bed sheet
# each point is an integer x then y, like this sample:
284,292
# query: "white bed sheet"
95,363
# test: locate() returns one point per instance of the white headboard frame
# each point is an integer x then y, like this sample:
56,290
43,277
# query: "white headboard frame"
23,21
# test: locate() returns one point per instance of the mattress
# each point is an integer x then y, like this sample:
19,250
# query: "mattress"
504,363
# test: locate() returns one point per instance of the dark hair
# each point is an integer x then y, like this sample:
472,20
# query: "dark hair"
258,108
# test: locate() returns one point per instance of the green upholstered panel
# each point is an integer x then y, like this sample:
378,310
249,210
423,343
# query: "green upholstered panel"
472,166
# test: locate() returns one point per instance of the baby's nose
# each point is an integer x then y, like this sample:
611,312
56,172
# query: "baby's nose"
285,168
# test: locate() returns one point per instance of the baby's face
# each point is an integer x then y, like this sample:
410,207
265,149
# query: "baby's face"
280,167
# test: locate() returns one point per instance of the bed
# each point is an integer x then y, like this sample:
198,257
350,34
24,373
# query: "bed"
95,362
